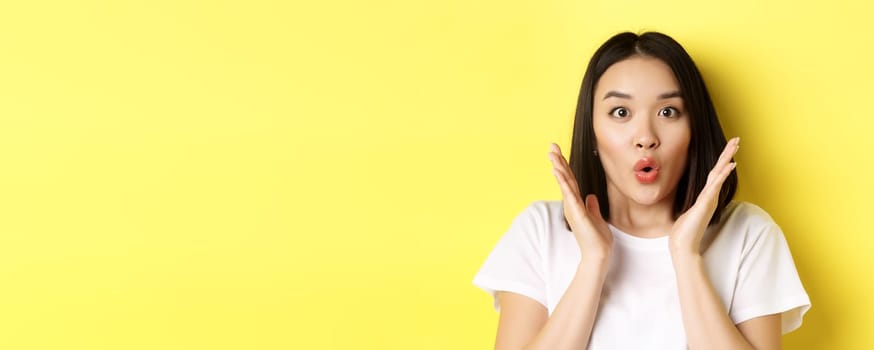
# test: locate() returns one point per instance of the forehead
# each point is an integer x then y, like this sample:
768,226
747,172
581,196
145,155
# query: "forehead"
638,76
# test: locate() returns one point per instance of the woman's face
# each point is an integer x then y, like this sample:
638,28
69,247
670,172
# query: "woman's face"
642,130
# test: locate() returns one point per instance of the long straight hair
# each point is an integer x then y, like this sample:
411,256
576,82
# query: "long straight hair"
707,138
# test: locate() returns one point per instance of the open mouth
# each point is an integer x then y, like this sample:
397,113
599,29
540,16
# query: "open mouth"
646,170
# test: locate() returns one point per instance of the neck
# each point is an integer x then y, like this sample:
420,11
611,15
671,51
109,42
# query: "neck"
642,220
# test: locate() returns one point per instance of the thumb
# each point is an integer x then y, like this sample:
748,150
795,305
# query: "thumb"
594,209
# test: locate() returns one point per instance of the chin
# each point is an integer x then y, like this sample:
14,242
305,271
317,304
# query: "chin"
648,196
641,194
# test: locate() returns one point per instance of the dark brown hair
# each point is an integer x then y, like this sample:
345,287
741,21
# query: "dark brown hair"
707,139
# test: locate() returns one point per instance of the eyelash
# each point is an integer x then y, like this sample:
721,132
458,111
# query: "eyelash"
674,114
614,110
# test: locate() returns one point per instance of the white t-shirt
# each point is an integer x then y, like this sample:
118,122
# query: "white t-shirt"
748,263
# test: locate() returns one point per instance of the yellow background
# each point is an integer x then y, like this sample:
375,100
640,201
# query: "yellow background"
331,174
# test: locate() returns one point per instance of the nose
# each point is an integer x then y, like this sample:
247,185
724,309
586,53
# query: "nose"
646,142
646,137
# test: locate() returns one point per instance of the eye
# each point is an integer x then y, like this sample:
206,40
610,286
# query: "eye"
620,112
669,112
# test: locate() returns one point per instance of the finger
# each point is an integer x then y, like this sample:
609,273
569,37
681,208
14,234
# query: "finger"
724,174
557,167
725,157
568,176
729,150
558,159
566,190
567,184
715,184
722,164
720,172
561,164
594,208
571,201
562,183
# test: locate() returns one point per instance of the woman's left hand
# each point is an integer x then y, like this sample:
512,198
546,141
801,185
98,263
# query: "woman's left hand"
688,230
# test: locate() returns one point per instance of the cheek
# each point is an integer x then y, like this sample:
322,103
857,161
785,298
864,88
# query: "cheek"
678,148
610,148
609,138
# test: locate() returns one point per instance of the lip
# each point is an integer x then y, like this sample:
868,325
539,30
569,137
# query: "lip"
640,170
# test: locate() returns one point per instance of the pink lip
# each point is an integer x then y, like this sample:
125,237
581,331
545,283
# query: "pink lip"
640,170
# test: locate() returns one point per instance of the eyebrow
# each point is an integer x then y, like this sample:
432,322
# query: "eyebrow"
663,96
671,94
616,94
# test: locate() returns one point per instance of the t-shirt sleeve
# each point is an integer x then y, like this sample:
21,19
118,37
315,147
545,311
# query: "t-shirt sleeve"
516,262
768,281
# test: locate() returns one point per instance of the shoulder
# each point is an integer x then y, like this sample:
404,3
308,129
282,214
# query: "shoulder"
747,216
542,218
543,209
548,213
749,225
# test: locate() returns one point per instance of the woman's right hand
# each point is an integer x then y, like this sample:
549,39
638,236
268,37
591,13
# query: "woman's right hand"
589,228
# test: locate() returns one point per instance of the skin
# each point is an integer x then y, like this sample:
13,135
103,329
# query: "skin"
636,114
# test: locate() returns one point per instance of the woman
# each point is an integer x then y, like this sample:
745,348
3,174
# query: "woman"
646,250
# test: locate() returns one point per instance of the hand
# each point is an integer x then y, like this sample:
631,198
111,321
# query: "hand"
688,230
589,228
